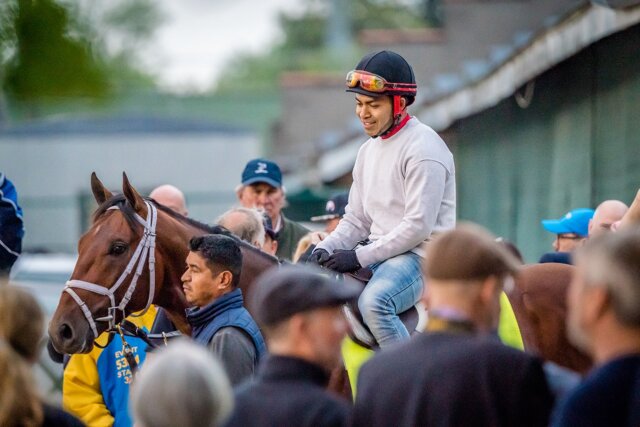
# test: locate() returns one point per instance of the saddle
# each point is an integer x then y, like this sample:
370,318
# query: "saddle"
413,319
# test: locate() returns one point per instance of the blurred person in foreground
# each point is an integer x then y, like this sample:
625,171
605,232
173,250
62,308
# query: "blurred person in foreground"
21,334
604,321
217,315
182,385
458,372
571,231
262,188
403,193
299,310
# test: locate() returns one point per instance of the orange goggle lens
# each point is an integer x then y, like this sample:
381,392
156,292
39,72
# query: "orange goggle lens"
374,83
367,81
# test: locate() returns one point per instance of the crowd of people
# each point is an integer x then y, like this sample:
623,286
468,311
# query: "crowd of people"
267,361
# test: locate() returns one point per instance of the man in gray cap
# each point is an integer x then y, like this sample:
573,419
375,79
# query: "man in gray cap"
299,311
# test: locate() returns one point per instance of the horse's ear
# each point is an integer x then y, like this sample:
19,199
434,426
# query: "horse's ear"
132,196
100,192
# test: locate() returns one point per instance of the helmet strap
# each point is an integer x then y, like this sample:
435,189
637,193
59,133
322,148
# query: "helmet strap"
397,121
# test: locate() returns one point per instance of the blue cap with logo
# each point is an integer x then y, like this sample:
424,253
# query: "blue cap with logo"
575,221
262,170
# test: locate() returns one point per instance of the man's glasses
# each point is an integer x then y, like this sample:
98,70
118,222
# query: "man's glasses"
569,236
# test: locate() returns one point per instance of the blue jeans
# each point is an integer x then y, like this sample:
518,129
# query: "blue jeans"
395,287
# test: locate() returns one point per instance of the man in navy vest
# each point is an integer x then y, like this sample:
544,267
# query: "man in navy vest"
218,318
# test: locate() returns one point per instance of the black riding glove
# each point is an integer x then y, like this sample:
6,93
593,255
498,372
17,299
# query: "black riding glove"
319,257
343,261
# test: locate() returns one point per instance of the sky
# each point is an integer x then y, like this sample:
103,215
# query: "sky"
198,37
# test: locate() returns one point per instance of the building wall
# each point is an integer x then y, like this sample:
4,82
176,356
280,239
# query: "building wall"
52,175
577,144
309,111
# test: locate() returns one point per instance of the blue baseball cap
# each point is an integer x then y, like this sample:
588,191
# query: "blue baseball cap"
262,170
575,221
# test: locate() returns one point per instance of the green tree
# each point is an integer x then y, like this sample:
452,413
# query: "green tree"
60,55
46,61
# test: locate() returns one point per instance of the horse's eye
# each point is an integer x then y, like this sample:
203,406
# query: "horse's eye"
117,248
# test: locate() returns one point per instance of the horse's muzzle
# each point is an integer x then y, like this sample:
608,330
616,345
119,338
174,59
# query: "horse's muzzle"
70,339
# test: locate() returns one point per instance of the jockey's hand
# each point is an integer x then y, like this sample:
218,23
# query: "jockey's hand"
343,261
318,257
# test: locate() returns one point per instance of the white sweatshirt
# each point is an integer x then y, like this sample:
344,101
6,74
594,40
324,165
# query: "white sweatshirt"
403,191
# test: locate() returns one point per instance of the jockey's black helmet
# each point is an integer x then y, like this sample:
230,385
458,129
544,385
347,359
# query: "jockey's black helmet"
390,66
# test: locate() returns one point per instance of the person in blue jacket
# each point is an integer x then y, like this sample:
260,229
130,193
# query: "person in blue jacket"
11,225
217,317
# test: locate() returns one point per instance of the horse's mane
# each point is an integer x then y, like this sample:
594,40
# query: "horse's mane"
125,207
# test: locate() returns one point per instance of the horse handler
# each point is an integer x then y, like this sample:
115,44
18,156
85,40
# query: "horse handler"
403,192
217,317
300,314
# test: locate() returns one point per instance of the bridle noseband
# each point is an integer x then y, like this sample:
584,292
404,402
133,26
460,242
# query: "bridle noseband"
146,248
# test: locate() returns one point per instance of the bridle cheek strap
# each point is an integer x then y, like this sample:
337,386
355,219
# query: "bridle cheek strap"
146,248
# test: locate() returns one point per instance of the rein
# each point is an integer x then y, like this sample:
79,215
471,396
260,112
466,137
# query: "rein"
144,251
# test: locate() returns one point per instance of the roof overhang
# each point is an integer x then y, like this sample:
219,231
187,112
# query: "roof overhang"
548,48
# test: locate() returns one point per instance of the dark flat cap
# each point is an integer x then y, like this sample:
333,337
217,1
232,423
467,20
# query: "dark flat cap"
282,292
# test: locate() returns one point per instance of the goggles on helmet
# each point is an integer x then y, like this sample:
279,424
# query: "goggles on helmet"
374,83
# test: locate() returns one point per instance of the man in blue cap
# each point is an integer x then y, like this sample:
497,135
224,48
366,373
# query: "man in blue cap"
262,188
571,231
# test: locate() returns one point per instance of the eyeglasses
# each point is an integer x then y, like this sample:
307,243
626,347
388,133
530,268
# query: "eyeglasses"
569,236
374,83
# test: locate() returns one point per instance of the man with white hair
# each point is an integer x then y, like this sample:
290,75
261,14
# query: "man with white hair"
245,223
186,367
604,320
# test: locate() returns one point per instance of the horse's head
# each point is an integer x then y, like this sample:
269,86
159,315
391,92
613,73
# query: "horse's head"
112,276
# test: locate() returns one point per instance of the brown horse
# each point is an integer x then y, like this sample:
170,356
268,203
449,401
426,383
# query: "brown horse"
105,251
539,304
122,225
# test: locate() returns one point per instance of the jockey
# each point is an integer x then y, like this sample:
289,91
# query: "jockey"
403,192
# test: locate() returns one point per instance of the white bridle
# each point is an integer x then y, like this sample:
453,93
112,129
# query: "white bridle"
146,247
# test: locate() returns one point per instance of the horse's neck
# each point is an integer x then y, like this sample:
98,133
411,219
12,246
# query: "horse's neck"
172,243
